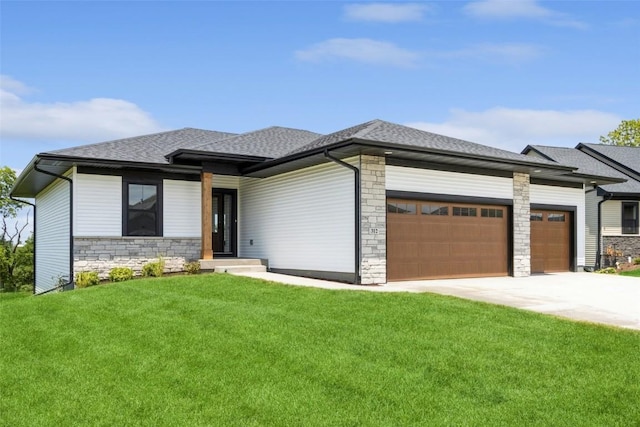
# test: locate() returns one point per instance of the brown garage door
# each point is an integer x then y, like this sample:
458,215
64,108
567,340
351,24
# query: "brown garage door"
550,241
431,240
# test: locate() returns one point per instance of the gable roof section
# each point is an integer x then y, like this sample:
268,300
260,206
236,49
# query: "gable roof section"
150,148
624,159
271,142
391,134
588,166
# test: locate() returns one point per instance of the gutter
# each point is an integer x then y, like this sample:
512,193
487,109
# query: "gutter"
356,180
599,251
34,236
69,284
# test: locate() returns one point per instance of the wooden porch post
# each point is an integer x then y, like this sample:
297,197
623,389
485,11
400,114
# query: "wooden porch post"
206,180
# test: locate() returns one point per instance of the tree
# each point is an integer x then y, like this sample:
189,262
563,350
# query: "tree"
8,208
16,259
626,134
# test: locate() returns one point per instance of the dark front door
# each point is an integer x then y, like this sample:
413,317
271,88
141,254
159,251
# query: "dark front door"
224,211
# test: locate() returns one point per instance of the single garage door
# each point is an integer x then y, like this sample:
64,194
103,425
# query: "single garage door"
550,241
431,240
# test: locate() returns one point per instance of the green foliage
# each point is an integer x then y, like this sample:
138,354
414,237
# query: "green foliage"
154,269
626,134
16,266
636,261
608,270
120,274
159,351
192,267
8,208
85,279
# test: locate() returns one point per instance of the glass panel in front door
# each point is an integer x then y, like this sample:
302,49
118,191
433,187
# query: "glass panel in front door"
227,222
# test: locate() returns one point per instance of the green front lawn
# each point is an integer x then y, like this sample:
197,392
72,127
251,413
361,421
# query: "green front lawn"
632,273
224,350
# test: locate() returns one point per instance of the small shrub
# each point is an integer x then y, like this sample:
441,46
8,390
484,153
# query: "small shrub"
153,269
192,267
120,274
86,278
608,270
636,261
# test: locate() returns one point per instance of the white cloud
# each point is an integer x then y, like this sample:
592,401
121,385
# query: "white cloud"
359,50
513,129
89,120
520,9
386,12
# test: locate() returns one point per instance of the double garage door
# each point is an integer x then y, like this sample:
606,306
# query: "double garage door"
432,240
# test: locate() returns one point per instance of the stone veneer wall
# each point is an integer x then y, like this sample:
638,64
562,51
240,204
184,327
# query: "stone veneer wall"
101,254
373,222
521,226
629,245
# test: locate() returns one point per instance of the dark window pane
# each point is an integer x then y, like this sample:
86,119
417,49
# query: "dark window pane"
491,213
536,216
630,216
410,208
392,208
435,210
555,217
142,210
142,223
459,211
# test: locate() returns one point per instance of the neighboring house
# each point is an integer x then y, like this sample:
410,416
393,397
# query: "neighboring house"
612,210
372,203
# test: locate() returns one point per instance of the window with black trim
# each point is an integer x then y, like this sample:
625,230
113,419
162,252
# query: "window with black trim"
460,211
491,213
630,218
439,210
535,216
142,206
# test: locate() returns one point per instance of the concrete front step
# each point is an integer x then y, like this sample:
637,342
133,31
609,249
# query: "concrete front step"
240,269
219,264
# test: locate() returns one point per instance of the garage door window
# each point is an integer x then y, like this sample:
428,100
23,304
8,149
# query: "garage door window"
460,211
401,208
555,217
435,210
491,213
536,216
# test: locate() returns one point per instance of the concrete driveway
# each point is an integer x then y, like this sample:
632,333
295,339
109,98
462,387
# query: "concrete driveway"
599,298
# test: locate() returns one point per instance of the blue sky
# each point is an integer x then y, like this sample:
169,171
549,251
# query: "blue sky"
505,73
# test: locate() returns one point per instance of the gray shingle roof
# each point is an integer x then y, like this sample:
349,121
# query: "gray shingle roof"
146,148
391,133
626,156
589,166
271,142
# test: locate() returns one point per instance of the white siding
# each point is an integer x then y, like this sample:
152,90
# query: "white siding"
98,205
612,218
591,227
300,220
551,195
441,182
182,214
52,235
224,181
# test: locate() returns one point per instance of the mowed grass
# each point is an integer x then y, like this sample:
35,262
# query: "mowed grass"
632,273
224,350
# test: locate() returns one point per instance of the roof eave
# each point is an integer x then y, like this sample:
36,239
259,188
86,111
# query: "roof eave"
208,156
26,186
384,146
